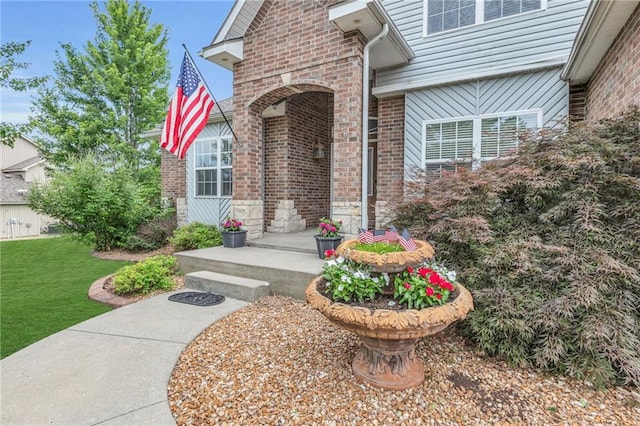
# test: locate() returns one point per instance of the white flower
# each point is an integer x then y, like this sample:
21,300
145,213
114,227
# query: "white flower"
340,288
340,259
331,262
346,279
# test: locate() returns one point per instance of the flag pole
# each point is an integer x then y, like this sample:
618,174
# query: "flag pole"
209,90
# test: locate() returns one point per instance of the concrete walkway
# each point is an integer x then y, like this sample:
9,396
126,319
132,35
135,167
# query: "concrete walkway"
110,370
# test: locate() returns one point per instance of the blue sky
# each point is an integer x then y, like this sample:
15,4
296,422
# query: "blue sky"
49,23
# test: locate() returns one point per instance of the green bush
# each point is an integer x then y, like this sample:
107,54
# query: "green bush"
153,273
152,234
100,202
195,236
547,242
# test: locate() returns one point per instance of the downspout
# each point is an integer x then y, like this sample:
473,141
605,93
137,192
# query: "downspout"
365,123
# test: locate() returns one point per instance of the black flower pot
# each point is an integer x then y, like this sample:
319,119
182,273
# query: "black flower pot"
327,243
233,239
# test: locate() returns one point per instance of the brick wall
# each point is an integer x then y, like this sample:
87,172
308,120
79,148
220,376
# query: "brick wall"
173,174
292,48
577,102
390,149
616,82
309,178
291,172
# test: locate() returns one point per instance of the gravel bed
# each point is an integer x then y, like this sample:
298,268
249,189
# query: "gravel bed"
279,362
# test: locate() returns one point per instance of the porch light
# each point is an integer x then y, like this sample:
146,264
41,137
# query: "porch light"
318,151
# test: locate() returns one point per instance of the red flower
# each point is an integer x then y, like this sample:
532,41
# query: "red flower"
429,291
438,296
423,272
435,278
407,285
409,269
329,253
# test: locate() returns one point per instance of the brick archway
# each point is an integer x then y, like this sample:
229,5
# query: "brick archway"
297,137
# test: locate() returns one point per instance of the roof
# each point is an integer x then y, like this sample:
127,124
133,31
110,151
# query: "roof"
24,165
13,189
367,16
601,25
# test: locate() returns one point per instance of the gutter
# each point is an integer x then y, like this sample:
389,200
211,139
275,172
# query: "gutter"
365,123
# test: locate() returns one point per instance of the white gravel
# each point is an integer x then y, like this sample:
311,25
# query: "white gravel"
279,362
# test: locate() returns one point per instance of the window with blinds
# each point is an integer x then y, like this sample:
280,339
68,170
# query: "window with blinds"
445,15
452,144
500,135
448,145
213,161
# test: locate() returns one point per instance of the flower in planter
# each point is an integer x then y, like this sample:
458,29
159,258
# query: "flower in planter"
231,225
348,281
427,285
329,228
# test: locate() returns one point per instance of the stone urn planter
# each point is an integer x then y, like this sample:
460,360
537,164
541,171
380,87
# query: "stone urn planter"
387,358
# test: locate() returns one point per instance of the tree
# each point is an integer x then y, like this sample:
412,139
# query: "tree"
547,242
103,97
8,64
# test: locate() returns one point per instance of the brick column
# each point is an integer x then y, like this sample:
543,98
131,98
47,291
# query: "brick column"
390,156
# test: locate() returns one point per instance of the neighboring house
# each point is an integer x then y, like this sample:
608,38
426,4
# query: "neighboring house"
604,65
443,80
21,166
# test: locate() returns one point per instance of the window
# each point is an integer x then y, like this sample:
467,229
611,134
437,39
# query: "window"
466,142
213,160
444,15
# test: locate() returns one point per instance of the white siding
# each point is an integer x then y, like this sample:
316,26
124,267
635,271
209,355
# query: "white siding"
499,47
199,209
27,222
540,90
22,150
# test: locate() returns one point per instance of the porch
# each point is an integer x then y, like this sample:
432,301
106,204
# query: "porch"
277,263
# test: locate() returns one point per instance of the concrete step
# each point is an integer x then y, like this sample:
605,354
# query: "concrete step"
245,289
288,273
271,245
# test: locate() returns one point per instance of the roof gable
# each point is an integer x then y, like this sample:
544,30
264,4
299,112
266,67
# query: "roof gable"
367,16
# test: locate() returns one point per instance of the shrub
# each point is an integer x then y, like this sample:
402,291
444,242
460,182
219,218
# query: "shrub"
152,234
99,202
195,236
547,242
153,273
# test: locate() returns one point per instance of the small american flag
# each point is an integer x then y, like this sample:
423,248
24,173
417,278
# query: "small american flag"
365,236
379,236
188,111
407,242
392,234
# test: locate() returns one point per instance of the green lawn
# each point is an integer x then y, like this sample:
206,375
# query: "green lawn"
43,288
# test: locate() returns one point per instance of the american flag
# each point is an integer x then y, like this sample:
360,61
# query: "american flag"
379,236
365,236
407,242
188,111
392,234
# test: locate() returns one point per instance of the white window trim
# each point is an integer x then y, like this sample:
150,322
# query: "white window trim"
476,159
219,168
479,17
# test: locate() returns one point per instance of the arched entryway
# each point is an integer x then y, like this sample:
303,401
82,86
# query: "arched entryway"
297,126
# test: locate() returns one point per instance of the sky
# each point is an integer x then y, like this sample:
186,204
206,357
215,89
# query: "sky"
49,23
